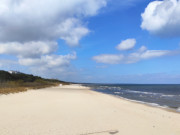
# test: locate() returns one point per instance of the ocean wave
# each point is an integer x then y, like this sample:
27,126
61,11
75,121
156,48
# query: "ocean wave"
151,104
119,90
168,99
110,87
118,94
125,90
142,92
168,95
142,102
178,110
146,93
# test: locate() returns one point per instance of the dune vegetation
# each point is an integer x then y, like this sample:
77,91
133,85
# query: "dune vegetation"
18,82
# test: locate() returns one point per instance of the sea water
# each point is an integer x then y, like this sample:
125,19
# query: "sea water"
162,95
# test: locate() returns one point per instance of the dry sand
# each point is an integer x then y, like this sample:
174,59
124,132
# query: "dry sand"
75,110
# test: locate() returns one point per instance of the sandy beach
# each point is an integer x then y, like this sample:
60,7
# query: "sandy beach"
76,110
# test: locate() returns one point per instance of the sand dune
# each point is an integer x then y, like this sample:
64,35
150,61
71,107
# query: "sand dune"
76,110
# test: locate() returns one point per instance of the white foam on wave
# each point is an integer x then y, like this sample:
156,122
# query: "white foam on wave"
178,110
137,101
168,95
110,87
147,103
118,92
141,92
150,104
146,93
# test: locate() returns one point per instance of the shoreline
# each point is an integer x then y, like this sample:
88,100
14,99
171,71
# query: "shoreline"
78,110
165,107
142,103
116,96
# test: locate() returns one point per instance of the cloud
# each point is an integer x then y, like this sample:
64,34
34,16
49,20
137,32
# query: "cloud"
49,61
71,31
108,58
39,57
141,54
32,20
162,18
28,49
49,65
144,54
127,44
30,31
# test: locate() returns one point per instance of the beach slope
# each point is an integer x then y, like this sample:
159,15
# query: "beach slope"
76,110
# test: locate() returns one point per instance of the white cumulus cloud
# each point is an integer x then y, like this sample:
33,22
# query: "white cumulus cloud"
49,65
127,44
141,54
49,61
72,31
108,58
30,31
162,18
28,49
35,20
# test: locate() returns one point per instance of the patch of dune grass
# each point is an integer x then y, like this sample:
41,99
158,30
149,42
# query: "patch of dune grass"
18,82
20,86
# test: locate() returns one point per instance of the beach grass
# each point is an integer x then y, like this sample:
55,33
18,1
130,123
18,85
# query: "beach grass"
18,82
20,86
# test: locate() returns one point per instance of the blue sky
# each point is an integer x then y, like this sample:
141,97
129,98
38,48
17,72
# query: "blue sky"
97,41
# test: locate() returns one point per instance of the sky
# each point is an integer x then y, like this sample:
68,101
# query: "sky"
92,41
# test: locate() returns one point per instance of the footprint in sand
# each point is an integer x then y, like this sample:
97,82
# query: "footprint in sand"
113,132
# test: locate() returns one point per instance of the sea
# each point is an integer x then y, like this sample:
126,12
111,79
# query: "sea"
160,95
